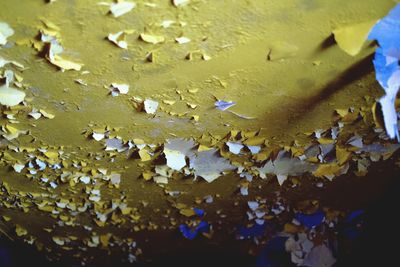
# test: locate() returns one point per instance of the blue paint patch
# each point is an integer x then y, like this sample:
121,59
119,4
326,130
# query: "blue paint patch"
271,254
199,212
187,232
384,68
387,33
253,231
310,220
354,215
386,62
224,105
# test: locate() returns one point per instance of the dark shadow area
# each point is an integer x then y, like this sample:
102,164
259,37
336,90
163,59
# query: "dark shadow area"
378,194
14,254
352,74
377,245
327,43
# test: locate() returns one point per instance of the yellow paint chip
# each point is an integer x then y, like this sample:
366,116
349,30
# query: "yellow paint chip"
46,114
342,155
65,64
147,175
20,231
191,105
53,56
144,155
152,39
169,102
51,154
327,170
352,38
187,212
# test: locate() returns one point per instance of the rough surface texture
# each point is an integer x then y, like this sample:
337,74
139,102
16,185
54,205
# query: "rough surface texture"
91,171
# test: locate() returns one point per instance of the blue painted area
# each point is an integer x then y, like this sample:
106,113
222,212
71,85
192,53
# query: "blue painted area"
191,234
253,231
354,215
387,33
270,255
352,222
199,212
310,220
384,68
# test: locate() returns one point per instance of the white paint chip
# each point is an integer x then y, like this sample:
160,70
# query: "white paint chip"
121,8
98,136
179,3
10,96
182,40
5,32
150,106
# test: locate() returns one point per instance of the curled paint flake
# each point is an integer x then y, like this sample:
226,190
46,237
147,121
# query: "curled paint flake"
35,114
10,96
176,151
179,3
152,39
253,205
119,39
190,233
167,23
98,136
182,40
244,191
234,148
5,32
224,105
150,106
115,144
4,62
284,166
85,179
121,8
117,89
352,38
208,165
53,55
18,167
254,149
115,178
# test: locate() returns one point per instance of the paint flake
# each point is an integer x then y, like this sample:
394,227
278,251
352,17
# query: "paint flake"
150,106
121,8
5,32
10,96
152,39
119,38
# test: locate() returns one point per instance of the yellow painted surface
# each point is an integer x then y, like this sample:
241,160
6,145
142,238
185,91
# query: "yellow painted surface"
275,58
